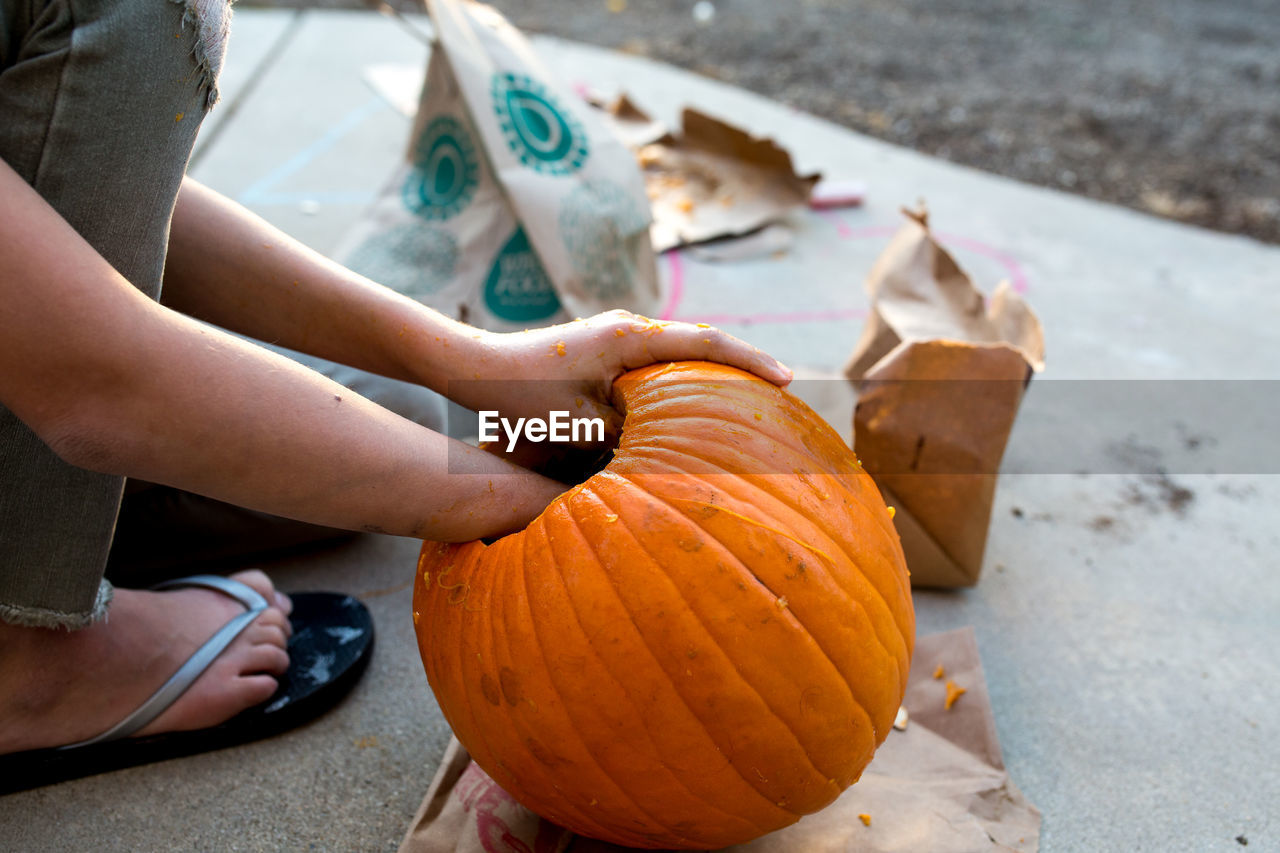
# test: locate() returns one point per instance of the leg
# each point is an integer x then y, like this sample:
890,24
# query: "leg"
65,686
101,125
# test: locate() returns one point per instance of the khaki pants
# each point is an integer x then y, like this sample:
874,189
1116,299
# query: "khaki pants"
100,102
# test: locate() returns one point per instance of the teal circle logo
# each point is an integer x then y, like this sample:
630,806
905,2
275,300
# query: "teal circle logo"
517,287
544,136
445,170
415,259
607,236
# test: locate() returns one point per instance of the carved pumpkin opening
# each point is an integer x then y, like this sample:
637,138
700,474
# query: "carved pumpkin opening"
564,463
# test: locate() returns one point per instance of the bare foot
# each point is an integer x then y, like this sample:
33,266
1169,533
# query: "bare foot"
59,687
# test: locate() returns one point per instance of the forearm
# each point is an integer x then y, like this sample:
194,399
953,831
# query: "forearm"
223,418
230,268
117,383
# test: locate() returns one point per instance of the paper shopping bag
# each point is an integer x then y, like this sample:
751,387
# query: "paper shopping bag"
516,206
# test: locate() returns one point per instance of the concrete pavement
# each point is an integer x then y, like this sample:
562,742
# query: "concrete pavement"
1130,664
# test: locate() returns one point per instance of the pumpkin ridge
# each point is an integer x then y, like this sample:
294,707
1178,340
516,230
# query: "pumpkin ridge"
680,695
672,833
750,427
859,701
869,565
467,623
888,610
685,702
501,589
451,673
859,587
732,663
760,524
737,818
893,626
815,521
786,404
890,531
566,711
852,600
483,627
475,727
478,728
732,416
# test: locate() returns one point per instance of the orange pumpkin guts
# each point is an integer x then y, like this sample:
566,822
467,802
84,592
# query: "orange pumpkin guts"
701,643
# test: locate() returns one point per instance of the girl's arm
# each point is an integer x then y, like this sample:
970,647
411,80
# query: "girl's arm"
116,383
232,269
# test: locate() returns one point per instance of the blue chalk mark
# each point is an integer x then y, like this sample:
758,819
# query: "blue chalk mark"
260,191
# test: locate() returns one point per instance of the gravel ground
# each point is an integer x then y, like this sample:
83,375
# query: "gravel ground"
1167,106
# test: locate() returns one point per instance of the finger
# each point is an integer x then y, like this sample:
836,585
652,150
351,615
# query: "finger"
685,341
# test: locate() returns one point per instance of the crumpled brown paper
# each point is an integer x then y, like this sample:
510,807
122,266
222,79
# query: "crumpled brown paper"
940,374
937,785
628,121
709,179
716,180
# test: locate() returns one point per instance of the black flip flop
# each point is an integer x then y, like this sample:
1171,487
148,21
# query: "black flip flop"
331,645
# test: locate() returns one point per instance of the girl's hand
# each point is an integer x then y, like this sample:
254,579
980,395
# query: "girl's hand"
572,367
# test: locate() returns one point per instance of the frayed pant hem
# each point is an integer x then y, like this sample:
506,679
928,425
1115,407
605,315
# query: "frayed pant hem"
43,617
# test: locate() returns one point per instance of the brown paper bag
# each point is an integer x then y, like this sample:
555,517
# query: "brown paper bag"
708,179
940,375
937,785
516,205
715,180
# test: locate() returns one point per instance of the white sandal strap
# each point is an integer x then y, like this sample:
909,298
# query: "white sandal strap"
194,665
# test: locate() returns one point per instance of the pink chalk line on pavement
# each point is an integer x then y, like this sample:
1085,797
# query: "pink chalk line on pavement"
1017,277
675,268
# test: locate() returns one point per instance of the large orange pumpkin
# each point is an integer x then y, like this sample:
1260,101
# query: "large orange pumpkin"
701,643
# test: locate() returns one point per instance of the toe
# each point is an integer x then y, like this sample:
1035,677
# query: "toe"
255,689
260,633
279,605
265,658
274,618
258,580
